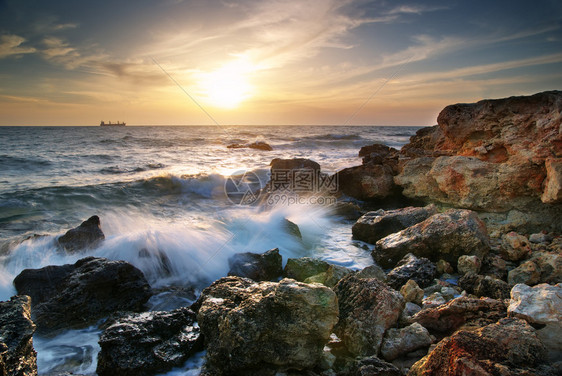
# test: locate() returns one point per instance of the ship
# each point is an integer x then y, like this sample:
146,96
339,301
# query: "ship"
110,124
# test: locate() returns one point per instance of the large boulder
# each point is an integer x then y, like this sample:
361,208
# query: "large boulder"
148,343
461,312
508,347
421,270
444,236
73,296
255,328
87,235
257,266
375,225
495,156
304,267
17,356
368,308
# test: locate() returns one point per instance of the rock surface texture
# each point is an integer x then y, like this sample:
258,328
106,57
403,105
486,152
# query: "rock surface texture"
73,296
255,328
257,266
87,235
148,343
17,356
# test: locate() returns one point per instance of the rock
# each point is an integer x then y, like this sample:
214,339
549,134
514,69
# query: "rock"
378,154
509,346
550,266
540,237
468,264
443,267
159,259
367,309
372,271
515,247
74,296
330,277
552,193
259,267
17,356
279,164
86,236
433,300
494,266
542,305
488,156
292,228
371,366
250,326
459,312
375,225
398,342
528,273
442,236
412,292
259,145
304,267
367,182
148,343
421,270
480,285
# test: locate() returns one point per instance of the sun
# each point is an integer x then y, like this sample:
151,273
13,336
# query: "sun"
228,86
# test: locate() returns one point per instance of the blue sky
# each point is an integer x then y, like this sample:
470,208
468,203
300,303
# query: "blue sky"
270,61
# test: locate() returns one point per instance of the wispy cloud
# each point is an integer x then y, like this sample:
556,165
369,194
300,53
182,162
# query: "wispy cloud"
12,45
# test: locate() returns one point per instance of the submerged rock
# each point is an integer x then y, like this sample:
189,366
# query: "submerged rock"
442,236
252,327
368,308
73,296
509,347
148,343
259,267
87,235
375,225
421,270
17,356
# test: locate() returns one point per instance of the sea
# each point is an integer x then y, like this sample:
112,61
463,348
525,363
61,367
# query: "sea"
165,189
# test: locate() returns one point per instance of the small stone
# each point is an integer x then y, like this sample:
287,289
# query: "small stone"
434,300
443,267
419,269
527,273
398,342
515,247
468,264
412,292
540,237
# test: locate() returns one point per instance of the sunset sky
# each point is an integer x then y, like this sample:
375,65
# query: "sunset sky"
269,61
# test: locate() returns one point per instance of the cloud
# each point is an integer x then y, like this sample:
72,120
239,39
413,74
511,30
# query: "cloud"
414,9
11,45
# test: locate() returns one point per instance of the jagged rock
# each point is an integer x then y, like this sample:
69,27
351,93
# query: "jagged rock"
379,154
421,270
442,236
259,145
552,193
259,267
468,264
367,309
372,271
433,300
461,311
73,296
515,247
412,292
304,267
367,182
17,356
398,342
250,326
480,285
509,347
330,277
550,266
371,366
87,235
292,228
148,343
375,225
528,273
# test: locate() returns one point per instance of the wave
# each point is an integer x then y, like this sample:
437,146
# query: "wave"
120,170
9,162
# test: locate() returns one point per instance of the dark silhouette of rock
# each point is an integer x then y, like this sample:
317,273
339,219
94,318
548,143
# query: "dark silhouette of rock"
73,296
17,356
257,266
421,270
375,225
250,327
143,344
87,235
259,145
371,366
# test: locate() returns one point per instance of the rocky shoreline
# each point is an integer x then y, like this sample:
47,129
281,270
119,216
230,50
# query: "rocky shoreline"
467,275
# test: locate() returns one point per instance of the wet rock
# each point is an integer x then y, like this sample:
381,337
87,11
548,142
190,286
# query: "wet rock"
304,267
412,292
527,273
367,309
442,236
459,312
86,236
159,259
148,343
511,346
421,270
399,342
553,183
292,228
17,356
279,164
259,267
468,264
480,285
375,225
250,327
74,296
259,145
515,247
371,366
330,277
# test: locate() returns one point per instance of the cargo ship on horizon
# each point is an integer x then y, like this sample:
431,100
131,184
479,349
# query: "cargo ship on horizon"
110,124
